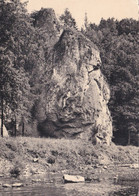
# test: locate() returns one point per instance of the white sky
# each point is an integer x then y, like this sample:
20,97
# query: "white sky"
95,9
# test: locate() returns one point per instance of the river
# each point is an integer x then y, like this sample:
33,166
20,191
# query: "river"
86,189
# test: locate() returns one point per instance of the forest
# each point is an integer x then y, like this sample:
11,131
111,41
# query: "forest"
23,51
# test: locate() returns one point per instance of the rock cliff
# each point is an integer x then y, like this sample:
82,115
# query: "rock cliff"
76,94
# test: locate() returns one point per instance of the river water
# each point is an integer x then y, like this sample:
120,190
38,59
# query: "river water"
86,189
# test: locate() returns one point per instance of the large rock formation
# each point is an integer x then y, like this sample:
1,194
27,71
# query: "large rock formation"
76,93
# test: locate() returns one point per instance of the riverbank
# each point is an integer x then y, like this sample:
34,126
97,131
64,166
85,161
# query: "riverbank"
37,160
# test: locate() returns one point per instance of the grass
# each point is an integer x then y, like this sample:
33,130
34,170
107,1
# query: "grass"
29,156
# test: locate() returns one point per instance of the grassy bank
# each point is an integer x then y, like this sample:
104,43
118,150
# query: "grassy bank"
49,159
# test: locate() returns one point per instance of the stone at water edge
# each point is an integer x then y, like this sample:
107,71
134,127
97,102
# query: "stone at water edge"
13,185
7,185
73,179
17,185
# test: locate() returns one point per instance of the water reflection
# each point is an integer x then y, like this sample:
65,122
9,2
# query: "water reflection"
133,189
85,189
127,192
33,190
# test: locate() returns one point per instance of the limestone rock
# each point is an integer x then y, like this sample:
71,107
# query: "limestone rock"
48,24
73,179
75,98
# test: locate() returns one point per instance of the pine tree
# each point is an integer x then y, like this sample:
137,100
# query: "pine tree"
67,19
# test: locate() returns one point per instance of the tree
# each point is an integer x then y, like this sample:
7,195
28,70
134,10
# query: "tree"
15,28
7,83
67,19
86,21
128,26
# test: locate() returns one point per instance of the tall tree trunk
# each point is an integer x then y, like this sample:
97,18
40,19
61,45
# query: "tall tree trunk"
2,116
129,137
138,139
23,127
15,127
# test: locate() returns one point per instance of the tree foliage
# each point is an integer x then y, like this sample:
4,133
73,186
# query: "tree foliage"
17,58
67,19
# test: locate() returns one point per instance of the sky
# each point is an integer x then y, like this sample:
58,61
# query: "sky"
95,9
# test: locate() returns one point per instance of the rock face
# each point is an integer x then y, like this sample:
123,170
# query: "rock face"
76,93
